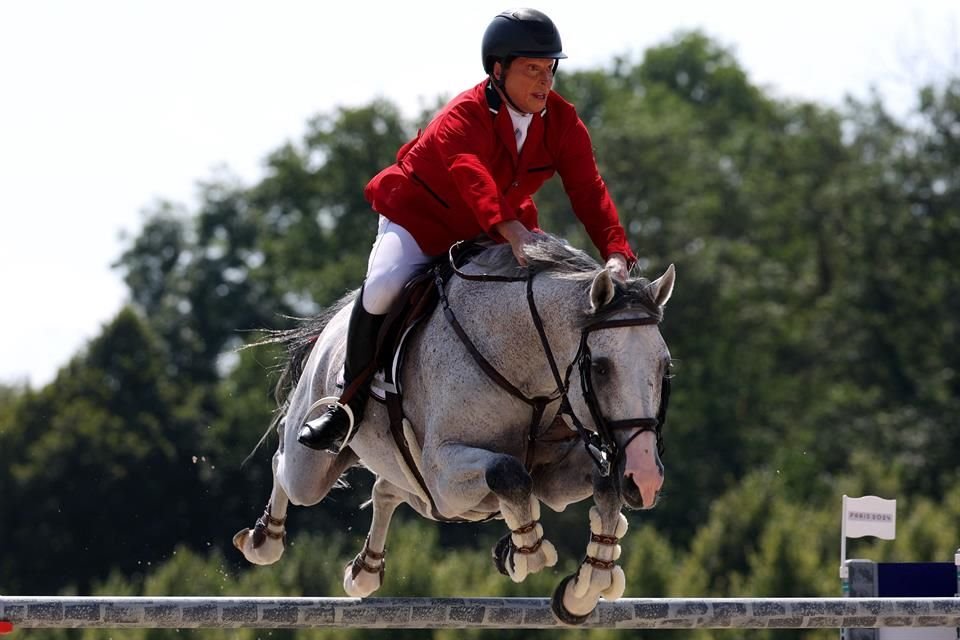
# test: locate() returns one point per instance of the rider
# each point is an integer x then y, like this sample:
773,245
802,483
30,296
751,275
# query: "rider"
472,171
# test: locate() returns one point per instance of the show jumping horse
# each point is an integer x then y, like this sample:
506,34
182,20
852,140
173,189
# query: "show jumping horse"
512,350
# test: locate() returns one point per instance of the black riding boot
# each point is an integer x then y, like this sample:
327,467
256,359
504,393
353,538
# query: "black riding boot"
327,432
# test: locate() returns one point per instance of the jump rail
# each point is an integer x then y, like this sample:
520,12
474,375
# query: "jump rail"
439,613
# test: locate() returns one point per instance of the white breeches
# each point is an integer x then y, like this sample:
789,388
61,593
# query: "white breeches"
395,258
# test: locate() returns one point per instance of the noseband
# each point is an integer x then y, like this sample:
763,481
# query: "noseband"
601,444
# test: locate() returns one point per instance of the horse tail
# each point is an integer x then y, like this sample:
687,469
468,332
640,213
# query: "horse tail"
299,342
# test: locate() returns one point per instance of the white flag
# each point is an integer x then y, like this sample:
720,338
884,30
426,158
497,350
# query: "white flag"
870,516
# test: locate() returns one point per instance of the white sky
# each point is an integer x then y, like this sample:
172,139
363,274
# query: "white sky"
108,105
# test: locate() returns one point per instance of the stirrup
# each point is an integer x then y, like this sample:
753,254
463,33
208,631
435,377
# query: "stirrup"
331,401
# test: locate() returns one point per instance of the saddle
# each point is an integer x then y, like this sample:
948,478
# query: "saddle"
417,302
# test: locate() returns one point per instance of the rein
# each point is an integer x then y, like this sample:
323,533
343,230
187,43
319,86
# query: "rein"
538,404
600,445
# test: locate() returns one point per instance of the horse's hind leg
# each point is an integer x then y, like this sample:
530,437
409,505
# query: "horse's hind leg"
264,543
467,478
364,574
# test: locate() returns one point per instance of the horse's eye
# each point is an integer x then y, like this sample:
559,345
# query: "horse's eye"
601,367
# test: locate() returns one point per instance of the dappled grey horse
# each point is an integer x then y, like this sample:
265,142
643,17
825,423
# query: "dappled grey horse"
483,382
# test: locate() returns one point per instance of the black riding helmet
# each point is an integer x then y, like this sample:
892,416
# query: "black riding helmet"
517,33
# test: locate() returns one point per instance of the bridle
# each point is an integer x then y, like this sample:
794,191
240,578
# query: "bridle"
601,444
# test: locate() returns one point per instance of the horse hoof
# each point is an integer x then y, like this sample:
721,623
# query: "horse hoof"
360,584
263,554
556,605
239,537
501,554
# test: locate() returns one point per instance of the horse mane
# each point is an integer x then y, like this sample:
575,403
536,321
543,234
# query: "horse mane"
554,255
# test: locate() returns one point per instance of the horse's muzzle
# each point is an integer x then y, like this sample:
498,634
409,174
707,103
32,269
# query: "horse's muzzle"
644,471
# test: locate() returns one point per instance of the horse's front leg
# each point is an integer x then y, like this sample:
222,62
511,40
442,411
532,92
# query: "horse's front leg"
364,574
598,576
470,478
524,550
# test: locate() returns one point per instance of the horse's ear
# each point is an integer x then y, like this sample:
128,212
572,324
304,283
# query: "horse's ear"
662,288
601,291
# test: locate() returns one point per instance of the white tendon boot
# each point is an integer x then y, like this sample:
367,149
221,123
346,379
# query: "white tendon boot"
598,576
530,551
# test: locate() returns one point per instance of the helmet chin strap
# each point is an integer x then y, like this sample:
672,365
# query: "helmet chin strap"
501,85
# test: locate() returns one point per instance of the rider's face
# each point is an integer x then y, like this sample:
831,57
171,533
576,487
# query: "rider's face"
528,81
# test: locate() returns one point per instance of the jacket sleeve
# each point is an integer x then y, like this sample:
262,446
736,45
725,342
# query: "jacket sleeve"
588,193
465,140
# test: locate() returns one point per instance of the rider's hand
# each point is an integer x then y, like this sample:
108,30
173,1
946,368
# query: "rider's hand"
617,266
517,235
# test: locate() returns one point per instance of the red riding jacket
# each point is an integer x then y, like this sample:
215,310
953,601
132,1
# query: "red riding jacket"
462,175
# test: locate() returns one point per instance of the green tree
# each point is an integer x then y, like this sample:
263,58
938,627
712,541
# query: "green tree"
100,452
